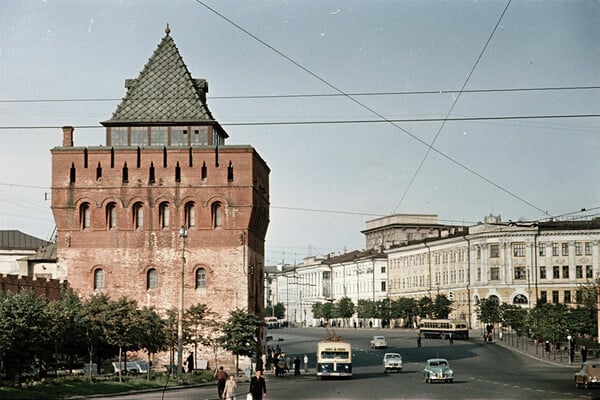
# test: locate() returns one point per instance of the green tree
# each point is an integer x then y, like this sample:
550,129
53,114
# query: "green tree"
344,308
366,309
425,307
116,318
23,329
194,318
67,329
442,306
488,310
278,311
240,334
151,332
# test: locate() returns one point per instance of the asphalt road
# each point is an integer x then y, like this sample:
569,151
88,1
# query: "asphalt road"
482,371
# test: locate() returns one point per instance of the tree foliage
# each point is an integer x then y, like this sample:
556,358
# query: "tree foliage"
240,334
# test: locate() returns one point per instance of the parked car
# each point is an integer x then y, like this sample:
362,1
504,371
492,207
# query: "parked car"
438,369
378,342
588,375
392,361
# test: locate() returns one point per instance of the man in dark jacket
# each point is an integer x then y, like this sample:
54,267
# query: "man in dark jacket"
258,386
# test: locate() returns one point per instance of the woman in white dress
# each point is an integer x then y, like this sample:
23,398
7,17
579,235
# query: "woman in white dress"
230,387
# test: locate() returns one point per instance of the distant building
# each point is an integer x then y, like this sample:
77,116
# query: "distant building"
14,246
119,208
517,263
398,229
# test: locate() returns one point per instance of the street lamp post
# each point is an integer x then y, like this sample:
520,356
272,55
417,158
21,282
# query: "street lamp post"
183,234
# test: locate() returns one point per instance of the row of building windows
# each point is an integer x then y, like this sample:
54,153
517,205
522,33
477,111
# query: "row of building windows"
519,273
151,279
518,250
567,296
137,215
164,135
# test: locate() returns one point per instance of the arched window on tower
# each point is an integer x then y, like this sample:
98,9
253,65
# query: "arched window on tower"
138,215
163,216
200,278
85,216
190,214
111,215
217,218
152,279
98,279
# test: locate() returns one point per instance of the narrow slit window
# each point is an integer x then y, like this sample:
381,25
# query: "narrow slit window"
164,157
99,172
112,157
72,173
85,158
152,177
204,171
139,157
125,173
200,278
230,172
177,172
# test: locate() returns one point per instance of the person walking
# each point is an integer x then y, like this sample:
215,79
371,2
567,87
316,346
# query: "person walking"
221,376
230,388
190,363
296,366
306,363
258,387
419,340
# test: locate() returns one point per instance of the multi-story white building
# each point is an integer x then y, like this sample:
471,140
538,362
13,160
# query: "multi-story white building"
517,263
356,275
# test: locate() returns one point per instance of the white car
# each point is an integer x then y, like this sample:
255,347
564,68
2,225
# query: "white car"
378,342
392,361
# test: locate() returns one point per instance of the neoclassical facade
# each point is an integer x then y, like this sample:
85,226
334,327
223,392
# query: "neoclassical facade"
517,263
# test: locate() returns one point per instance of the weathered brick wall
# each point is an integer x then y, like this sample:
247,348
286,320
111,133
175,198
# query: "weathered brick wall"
232,255
51,288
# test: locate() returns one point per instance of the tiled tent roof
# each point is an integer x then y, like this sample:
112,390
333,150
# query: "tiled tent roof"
164,92
17,240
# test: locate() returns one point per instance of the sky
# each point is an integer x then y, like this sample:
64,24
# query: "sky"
352,104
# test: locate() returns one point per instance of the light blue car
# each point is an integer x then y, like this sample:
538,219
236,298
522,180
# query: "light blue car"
438,370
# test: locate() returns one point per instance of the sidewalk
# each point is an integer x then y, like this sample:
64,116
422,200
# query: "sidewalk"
528,348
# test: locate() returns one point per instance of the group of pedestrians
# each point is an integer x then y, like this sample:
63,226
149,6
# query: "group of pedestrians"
227,385
280,363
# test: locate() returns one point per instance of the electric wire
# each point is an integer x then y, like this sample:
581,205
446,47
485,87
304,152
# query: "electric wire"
352,121
371,110
311,95
456,98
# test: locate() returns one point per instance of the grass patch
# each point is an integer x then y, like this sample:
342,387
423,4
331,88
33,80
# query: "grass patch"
63,387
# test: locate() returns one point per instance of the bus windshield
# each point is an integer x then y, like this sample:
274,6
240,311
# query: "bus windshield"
328,355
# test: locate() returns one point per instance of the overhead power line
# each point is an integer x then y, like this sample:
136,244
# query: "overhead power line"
350,121
456,98
309,95
369,109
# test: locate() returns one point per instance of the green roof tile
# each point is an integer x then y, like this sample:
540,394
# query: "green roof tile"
164,92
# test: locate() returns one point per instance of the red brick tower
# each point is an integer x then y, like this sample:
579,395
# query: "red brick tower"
119,208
